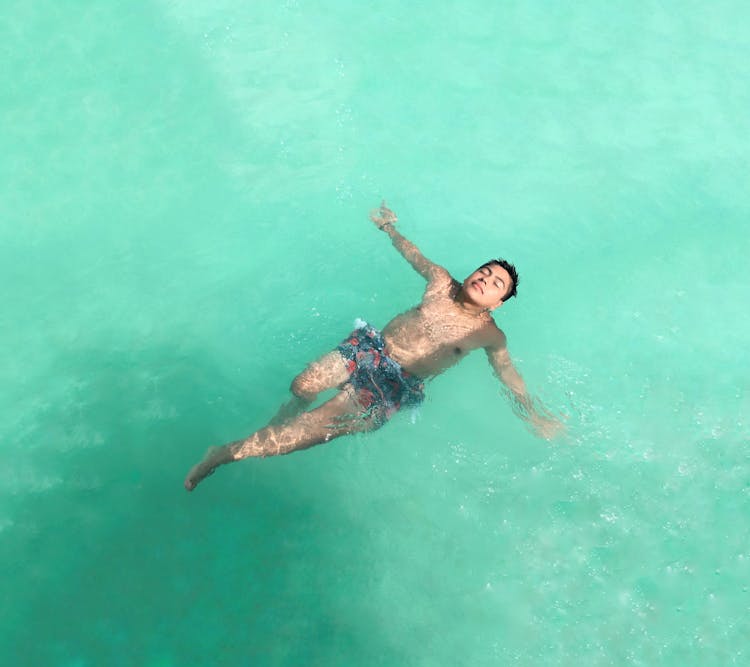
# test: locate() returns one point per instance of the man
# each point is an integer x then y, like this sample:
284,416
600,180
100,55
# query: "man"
377,373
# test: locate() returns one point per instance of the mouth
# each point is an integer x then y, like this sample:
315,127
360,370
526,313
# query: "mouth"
475,284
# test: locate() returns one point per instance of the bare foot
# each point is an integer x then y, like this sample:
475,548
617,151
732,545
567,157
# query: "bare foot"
206,467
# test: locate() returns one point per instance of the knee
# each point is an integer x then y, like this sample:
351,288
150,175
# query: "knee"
303,389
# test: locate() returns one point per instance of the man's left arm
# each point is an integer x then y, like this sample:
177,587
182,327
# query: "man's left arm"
544,424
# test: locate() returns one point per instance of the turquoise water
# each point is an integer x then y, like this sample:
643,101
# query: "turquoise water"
183,226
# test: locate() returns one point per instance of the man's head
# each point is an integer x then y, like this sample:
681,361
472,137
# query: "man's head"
492,284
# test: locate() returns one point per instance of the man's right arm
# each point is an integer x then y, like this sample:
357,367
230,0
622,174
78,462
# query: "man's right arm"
384,219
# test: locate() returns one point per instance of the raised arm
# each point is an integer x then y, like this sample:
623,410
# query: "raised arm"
525,406
384,219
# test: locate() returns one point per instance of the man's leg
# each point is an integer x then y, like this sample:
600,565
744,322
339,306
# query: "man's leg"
339,416
327,372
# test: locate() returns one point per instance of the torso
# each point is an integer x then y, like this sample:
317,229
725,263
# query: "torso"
437,333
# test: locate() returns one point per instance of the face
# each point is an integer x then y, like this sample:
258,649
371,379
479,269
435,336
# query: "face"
487,286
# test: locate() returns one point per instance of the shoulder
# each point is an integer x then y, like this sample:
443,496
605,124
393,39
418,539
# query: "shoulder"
439,279
439,274
494,339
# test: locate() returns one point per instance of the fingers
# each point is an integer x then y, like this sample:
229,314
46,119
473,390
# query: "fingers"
383,214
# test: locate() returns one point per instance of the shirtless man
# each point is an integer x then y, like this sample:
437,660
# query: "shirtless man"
377,373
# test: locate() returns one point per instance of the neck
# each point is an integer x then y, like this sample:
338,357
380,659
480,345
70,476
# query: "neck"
469,306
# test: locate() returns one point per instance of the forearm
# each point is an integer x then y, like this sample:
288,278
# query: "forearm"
524,405
521,401
532,411
384,219
408,251
401,243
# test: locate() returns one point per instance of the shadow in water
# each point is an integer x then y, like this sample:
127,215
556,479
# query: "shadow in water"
108,560
115,563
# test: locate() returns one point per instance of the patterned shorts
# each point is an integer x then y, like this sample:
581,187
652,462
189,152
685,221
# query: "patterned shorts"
381,385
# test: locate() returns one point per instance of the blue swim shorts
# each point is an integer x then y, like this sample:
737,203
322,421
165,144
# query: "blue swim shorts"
381,385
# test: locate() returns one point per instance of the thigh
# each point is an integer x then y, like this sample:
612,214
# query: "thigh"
339,416
326,372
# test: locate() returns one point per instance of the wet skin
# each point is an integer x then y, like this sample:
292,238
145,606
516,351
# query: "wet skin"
452,319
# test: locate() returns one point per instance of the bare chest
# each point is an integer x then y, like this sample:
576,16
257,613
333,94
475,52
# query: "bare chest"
446,329
434,335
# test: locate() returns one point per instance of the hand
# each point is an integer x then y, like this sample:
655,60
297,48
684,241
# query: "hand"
383,216
547,428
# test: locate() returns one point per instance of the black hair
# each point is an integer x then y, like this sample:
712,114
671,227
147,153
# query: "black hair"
513,276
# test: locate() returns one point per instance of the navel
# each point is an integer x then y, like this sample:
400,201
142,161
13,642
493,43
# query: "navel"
457,350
